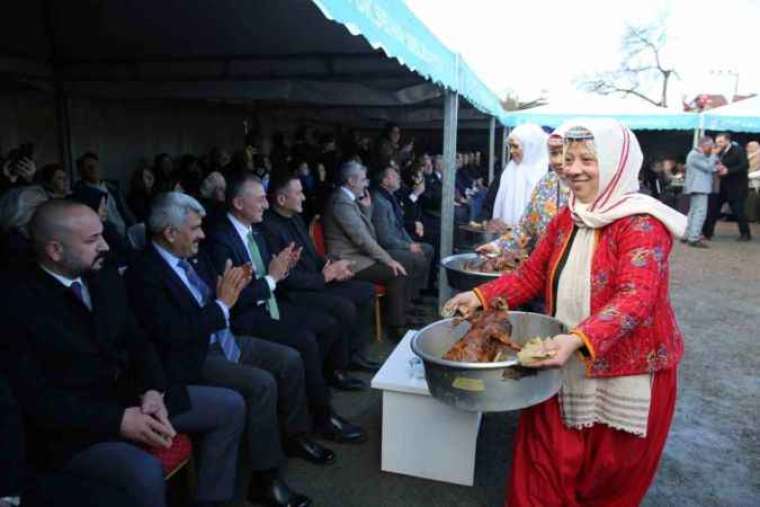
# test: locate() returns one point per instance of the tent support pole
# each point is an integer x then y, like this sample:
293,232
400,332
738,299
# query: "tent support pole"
491,146
450,113
504,148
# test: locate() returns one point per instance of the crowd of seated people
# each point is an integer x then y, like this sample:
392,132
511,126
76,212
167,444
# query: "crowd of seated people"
238,327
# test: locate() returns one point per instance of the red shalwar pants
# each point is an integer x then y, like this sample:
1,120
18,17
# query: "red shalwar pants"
554,465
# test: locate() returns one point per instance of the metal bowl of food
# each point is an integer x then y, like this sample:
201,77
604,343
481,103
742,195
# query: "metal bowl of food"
460,276
487,387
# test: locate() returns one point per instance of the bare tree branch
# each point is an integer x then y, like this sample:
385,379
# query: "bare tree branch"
641,57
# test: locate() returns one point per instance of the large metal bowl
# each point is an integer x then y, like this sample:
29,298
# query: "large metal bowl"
487,387
461,279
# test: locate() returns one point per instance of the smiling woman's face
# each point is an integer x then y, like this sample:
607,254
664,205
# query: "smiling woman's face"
581,171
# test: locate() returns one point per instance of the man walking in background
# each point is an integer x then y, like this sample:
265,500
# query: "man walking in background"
734,185
700,168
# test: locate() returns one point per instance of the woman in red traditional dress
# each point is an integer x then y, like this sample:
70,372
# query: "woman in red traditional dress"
604,271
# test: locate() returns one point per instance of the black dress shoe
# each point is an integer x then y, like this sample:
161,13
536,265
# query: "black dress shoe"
273,492
303,447
343,381
361,363
339,430
744,237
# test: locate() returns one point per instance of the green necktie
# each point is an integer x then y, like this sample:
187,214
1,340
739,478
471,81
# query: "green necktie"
258,264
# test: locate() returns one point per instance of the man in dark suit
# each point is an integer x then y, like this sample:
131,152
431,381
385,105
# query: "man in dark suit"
388,218
88,381
44,490
734,185
261,312
171,290
314,281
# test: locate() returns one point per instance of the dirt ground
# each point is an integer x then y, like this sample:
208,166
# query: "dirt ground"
712,457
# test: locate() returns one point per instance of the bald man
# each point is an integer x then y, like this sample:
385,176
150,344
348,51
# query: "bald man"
90,385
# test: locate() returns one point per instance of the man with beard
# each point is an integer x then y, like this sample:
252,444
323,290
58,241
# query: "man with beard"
314,281
89,383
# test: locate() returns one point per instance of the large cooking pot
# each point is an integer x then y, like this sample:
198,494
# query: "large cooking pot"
487,387
461,279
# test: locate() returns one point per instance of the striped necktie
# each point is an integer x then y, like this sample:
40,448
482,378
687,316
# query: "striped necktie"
224,337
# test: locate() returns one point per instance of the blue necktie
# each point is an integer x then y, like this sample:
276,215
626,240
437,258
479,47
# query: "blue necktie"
224,337
77,289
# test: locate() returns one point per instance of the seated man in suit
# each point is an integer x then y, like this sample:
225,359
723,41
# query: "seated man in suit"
314,281
262,313
351,236
89,382
170,287
17,483
388,218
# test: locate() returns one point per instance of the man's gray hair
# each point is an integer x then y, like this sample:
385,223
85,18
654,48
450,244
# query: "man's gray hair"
170,209
349,170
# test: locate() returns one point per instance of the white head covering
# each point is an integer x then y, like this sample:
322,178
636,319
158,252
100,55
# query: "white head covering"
619,157
518,180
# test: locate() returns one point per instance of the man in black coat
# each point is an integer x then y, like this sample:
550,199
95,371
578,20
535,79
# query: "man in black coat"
261,312
170,286
734,184
314,281
90,384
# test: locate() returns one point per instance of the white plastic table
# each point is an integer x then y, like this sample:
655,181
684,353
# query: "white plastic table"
422,436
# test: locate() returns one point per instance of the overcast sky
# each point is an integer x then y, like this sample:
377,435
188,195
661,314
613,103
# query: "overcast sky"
538,47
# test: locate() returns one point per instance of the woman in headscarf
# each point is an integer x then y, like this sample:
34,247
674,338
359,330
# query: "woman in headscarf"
527,165
549,196
604,271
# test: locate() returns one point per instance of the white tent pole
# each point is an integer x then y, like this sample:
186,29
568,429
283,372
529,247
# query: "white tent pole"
450,113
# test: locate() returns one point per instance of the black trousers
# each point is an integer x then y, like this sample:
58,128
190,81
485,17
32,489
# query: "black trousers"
270,378
716,201
397,295
348,302
315,336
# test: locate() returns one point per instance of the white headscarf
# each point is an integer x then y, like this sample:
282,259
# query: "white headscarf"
519,179
619,157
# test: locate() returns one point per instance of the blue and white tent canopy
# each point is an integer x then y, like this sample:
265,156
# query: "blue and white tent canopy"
741,116
634,113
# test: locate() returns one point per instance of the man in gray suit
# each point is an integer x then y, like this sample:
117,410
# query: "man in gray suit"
700,169
388,218
350,235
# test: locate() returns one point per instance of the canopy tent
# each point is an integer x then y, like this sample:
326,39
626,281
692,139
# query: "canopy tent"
268,50
741,116
636,114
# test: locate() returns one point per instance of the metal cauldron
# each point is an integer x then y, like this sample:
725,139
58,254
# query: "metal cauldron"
487,387
461,279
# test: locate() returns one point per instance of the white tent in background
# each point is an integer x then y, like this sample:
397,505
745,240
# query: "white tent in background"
634,113
741,116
